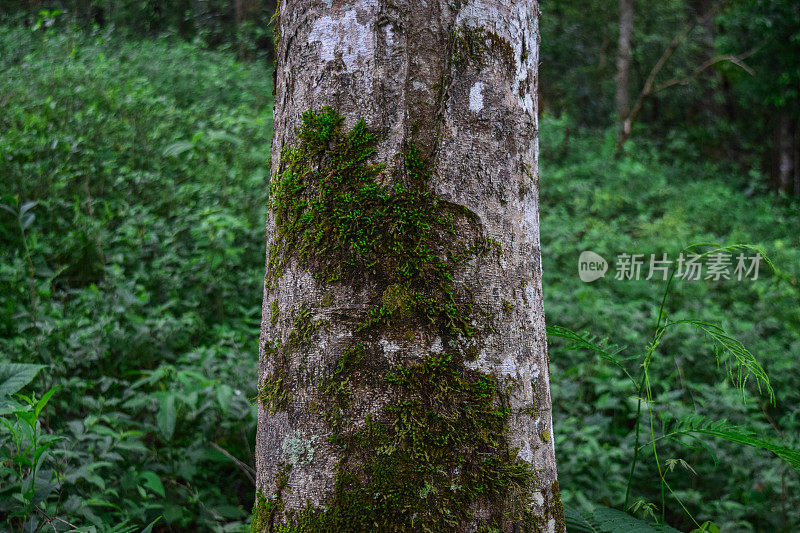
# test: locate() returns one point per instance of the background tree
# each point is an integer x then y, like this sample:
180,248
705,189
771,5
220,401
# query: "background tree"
403,376
621,98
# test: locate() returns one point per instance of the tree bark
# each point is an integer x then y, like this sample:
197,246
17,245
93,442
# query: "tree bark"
622,99
403,376
786,152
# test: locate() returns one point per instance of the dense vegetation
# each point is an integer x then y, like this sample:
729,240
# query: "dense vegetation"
657,198
138,282
133,175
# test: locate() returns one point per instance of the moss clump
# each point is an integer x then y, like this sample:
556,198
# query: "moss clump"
336,386
334,216
262,513
303,329
494,246
437,450
266,509
274,312
273,393
556,510
331,212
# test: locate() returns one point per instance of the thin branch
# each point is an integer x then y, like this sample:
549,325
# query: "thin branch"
50,519
736,60
649,83
244,467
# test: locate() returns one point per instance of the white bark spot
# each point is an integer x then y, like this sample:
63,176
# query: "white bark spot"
524,29
538,499
476,97
525,453
551,525
389,347
436,347
388,31
354,41
509,367
530,293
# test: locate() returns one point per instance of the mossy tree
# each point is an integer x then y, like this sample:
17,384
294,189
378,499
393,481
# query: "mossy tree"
403,376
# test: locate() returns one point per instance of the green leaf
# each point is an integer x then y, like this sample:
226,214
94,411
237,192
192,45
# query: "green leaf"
224,396
7,405
151,481
43,401
609,520
149,527
14,376
695,424
177,148
27,220
27,206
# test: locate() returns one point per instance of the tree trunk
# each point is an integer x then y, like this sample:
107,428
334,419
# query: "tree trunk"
621,99
786,153
403,377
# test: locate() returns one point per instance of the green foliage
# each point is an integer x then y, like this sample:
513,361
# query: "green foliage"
216,24
12,378
608,520
134,183
730,74
655,201
25,451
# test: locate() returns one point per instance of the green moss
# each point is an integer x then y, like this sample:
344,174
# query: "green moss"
556,509
303,328
273,393
336,386
262,509
334,216
327,300
437,449
442,440
508,306
494,246
274,312
266,509
331,212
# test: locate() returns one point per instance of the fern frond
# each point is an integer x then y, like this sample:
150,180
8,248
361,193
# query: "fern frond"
578,342
693,425
739,362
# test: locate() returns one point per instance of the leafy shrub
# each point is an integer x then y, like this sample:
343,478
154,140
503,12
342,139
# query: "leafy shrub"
134,183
